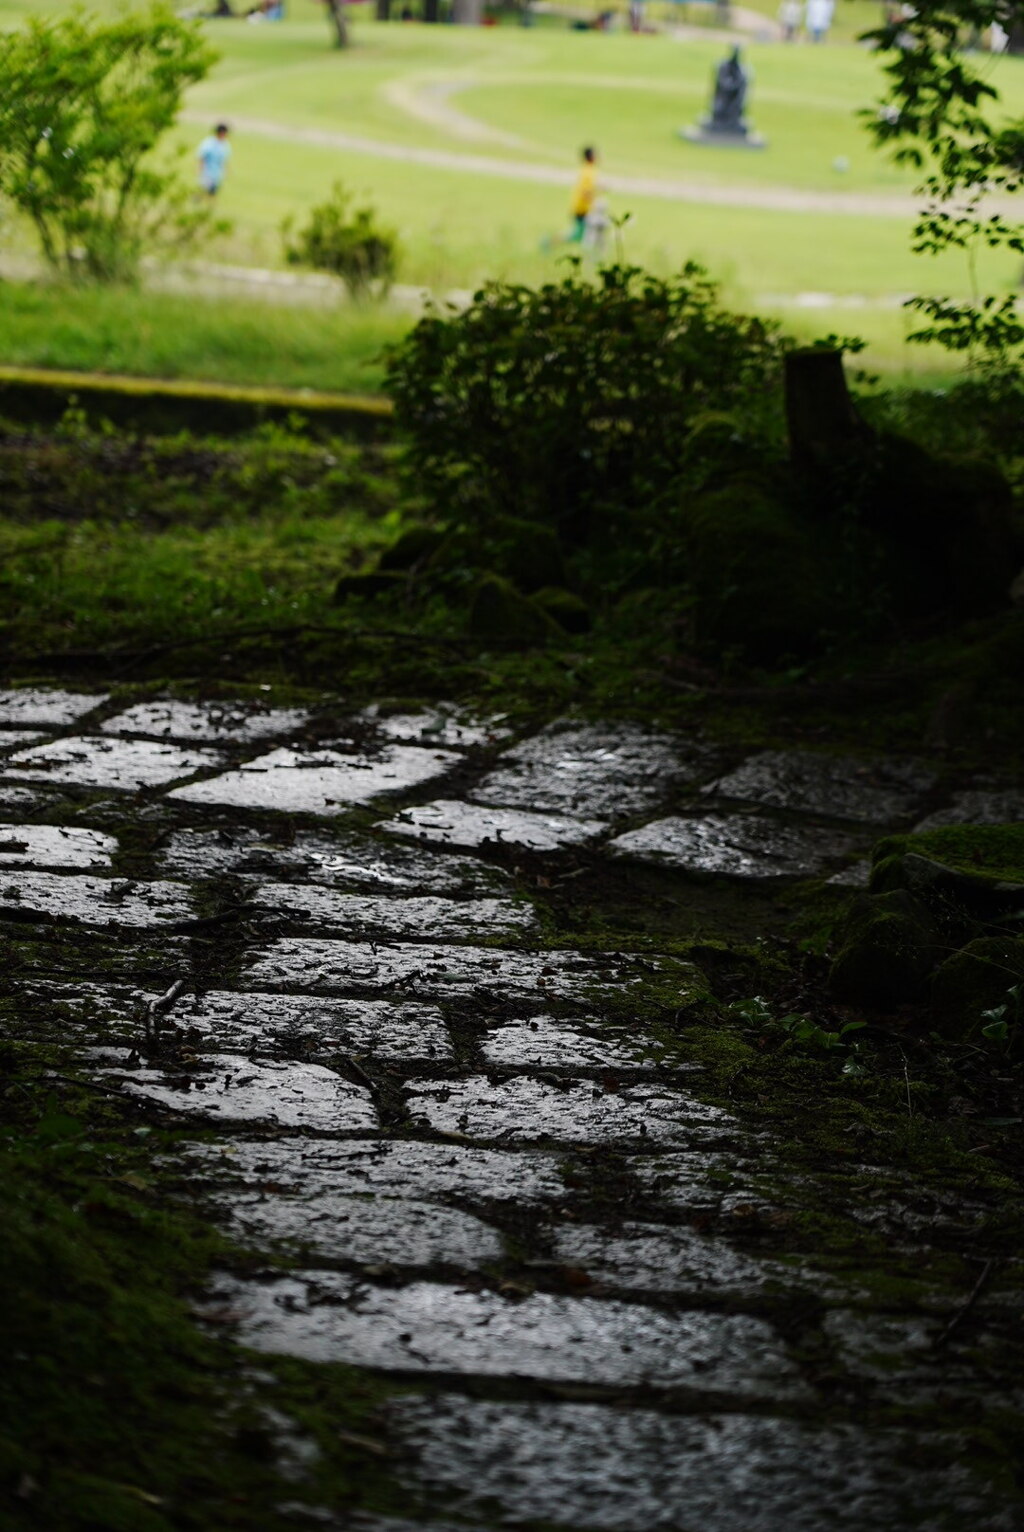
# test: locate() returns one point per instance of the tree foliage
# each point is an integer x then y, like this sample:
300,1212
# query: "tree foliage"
941,115
348,243
84,103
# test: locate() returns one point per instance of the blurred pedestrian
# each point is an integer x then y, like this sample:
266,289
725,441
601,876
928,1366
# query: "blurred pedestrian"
214,153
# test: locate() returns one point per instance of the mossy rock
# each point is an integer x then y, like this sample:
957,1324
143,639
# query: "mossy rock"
567,609
526,553
412,547
887,951
761,577
375,582
974,980
500,614
983,854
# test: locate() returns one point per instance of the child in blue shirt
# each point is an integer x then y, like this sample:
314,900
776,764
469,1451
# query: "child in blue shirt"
214,153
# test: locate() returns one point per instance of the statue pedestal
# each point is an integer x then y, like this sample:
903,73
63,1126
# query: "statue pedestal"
723,138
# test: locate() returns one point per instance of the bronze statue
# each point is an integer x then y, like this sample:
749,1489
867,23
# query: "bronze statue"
731,81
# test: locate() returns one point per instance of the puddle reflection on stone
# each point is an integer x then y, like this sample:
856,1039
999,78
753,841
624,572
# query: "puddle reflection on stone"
425,918
39,705
548,1042
96,901
735,845
428,1327
299,963
611,1470
524,1110
213,722
657,1260
225,1088
387,1231
607,771
872,790
451,823
322,782
126,764
53,846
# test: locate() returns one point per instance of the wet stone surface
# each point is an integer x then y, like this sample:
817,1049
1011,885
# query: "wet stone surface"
431,919
348,1230
451,823
591,771
548,1042
31,706
373,1028
126,764
207,722
444,725
53,846
10,739
736,846
979,806
432,1328
323,782
95,901
868,791
647,1258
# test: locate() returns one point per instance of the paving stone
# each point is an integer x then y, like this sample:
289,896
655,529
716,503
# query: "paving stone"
694,1182
444,920
22,800
96,901
977,807
657,1260
240,723
735,845
225,1088
387,1232
442,725
427,1327
53,846
323,782
374,1028
11,738
303,963
346,861
127,764
857,875
614,1470
523,1110
549,1042
868,790
603,771
33,705
451,823
384,1168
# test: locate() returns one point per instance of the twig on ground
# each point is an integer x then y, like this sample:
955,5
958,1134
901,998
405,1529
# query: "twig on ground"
965,1308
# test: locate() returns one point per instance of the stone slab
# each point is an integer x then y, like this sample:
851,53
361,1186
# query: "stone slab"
126,764
741,846
426,918
224,1088
96,901
238,723
648,1258
53,846
613,1470
32,705
304,963
22,800
550,1042
353,861
431,1328
873,790
10,739
447,822
524,1110
443,725
393,1232
384,1168
366,1028
601,771
977,807
695,1182
323,782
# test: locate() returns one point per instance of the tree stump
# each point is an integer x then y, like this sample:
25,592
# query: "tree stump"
822,418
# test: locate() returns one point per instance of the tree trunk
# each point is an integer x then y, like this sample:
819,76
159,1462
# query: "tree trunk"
432,10
823,422
336,12
383,10
467,13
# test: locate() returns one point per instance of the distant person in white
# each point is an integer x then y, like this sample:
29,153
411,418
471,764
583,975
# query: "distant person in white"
214,153
819,18
791,13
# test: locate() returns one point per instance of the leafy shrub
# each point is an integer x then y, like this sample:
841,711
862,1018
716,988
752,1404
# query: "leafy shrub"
348,243
83,104
570,404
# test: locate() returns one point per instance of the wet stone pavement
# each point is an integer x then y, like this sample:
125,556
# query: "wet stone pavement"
330,950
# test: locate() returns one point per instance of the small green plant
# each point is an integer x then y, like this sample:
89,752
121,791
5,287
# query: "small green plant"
347,242
1002,1020
84,103
757,1012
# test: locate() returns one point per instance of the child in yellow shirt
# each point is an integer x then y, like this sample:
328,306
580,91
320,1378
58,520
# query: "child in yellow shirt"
583,196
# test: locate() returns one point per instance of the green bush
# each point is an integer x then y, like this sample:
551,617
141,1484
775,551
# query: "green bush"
569,404
348,243
83,105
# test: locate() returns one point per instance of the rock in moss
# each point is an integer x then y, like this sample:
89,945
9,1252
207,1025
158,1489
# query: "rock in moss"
567,609
501,614
973,980
888,950
414,546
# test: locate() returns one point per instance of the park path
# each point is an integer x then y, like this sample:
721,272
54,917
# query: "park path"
349,958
